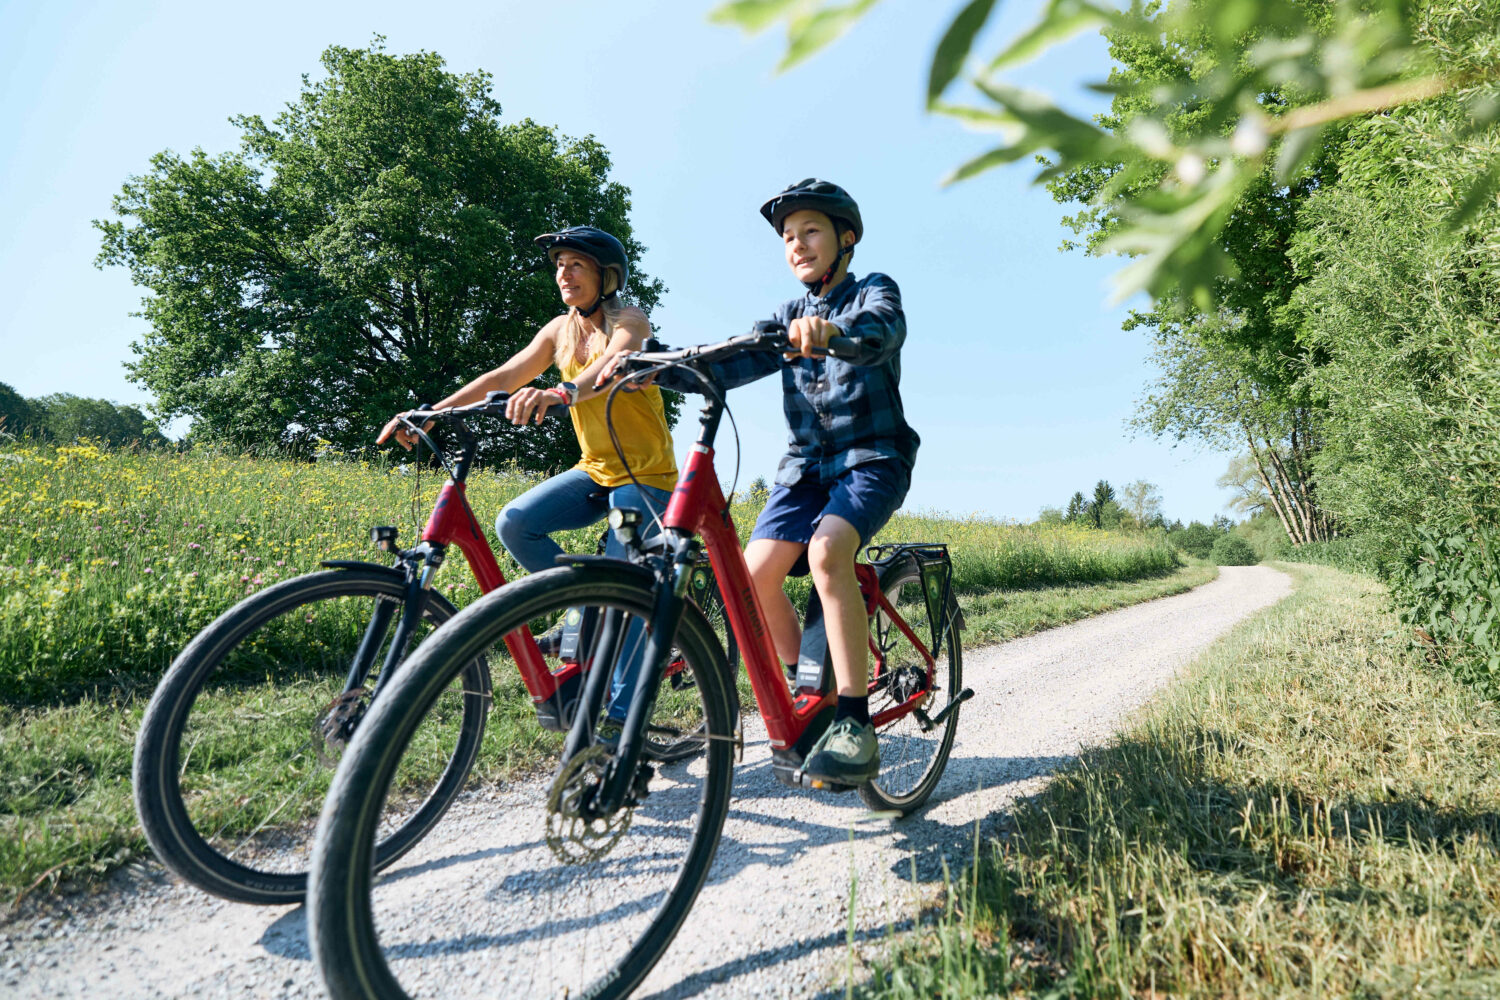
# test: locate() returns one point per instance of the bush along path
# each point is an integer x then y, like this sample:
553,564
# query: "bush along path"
1312,812
775,918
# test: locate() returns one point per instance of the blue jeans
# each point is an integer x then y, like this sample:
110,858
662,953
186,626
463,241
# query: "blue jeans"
572,500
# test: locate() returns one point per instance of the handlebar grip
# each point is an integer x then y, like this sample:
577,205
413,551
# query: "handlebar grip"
846,348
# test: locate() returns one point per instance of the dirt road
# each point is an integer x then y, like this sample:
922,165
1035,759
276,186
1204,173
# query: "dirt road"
773,920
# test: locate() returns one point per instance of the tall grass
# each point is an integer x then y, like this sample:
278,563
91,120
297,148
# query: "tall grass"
1310,814
111,561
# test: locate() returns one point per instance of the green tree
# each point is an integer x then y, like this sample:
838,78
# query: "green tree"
1104,495
1142,501
64,418
367,250
1077,510
15,412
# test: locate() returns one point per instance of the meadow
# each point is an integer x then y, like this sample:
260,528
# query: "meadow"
110,561
1310,811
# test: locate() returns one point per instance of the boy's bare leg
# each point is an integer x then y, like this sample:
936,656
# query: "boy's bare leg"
769,560
831,556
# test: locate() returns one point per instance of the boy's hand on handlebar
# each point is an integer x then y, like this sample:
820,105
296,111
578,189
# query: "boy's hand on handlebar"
530,405
404,437
809,335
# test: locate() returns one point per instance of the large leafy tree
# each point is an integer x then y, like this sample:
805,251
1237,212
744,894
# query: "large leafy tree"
368,249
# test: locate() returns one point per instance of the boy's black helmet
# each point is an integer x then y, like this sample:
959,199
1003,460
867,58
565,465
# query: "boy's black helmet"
830,199
596,244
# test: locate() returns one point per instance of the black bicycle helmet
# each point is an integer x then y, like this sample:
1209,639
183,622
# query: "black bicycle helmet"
595,244
822,196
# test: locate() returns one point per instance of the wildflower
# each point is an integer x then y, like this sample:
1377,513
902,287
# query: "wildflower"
147,570
194,545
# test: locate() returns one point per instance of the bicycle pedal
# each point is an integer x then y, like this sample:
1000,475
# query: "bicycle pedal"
806,780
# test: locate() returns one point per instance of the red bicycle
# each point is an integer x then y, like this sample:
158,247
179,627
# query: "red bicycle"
239,742
581,887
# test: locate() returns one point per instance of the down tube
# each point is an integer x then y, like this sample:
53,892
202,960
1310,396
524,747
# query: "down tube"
698,505
453,521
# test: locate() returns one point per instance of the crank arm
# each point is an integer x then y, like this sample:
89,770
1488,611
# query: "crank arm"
929,724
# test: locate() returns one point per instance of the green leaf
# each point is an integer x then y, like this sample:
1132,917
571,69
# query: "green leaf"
1062,20
1482,191
994,158
977,118
951,52
810,32
752,15
1297,148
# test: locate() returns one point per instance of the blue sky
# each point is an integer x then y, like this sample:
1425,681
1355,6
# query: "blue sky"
1016,373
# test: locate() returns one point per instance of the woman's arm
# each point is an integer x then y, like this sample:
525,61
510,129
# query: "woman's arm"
631,330
523,366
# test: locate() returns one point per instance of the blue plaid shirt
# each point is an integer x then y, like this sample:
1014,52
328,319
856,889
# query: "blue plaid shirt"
839,414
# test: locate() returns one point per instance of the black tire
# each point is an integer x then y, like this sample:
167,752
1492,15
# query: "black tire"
521,913
911,761
233,720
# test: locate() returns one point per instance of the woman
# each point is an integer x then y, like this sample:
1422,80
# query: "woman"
591,268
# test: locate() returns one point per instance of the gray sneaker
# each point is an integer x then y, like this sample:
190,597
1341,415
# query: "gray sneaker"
847,754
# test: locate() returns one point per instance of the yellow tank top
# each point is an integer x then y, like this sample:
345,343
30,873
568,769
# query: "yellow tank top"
641,423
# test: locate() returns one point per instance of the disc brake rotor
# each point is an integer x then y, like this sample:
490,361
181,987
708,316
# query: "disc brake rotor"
574,835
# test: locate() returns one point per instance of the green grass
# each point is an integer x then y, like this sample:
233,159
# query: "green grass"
1310,812
111,561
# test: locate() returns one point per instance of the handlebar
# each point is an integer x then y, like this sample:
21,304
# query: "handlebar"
767,336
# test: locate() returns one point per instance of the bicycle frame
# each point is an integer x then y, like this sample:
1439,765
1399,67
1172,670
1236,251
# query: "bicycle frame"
698,507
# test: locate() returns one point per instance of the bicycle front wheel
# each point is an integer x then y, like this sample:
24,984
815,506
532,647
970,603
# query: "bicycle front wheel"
240,740
911,758
532,893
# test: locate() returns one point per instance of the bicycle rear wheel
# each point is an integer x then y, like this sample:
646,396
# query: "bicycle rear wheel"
528,890
911,758
240,740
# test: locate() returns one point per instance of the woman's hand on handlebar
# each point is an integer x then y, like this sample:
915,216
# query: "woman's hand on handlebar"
404,437
616,367
530,405
809,336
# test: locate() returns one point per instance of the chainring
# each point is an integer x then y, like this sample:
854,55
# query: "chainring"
574,837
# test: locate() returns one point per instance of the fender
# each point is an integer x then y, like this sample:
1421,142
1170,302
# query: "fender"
359,564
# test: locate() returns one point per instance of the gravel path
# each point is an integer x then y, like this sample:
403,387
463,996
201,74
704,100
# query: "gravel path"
773,920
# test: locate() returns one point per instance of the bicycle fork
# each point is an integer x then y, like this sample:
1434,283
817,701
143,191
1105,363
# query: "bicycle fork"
413,606
621,782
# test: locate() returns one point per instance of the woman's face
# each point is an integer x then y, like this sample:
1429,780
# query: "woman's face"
578,279
810,243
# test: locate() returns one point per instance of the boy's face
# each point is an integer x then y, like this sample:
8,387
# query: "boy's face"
810,243
577,279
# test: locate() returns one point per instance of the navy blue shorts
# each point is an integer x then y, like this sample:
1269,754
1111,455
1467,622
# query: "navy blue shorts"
866,496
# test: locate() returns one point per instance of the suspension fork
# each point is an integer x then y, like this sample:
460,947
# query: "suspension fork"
413,607
601,653
671,589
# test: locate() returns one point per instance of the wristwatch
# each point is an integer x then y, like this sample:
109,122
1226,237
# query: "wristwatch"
569,392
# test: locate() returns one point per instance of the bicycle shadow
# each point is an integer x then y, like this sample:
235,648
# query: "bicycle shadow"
725,972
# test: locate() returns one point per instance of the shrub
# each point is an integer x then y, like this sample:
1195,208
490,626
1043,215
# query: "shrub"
1232,550
1449,593
1197,539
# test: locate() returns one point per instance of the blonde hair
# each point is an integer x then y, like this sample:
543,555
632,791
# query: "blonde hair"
610,310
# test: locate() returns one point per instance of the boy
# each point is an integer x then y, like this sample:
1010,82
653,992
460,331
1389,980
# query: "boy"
850,458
